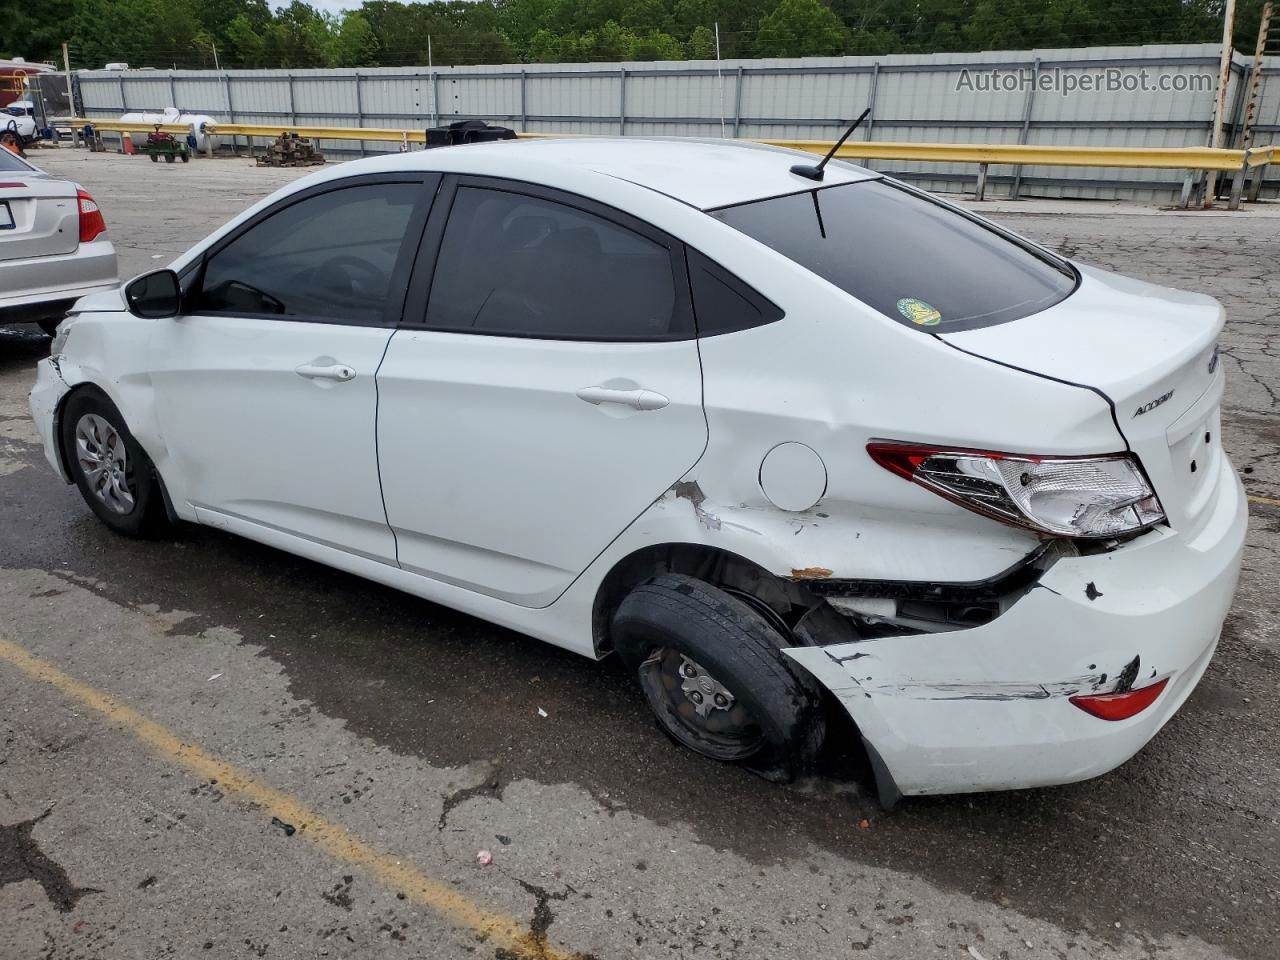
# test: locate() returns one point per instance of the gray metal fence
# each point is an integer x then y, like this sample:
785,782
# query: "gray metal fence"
1137,96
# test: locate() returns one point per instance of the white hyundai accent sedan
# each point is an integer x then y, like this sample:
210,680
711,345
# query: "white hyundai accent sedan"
779,443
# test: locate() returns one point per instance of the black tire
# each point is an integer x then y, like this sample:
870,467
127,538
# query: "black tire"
146,517
155,158
168,158
186,158
49,324
680,617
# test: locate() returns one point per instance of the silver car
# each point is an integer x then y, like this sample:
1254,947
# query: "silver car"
54,247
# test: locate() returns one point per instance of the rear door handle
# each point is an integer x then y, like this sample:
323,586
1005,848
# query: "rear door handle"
333,371
636,399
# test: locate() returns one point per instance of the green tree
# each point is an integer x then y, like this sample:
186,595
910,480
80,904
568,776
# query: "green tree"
801,28
244,44
702,44
352,43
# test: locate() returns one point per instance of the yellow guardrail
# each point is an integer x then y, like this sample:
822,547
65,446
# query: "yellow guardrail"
1162,158
1165,158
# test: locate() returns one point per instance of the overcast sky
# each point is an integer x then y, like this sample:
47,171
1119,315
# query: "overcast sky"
334,6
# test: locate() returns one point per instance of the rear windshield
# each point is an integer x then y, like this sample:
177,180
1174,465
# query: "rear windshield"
913,259
13,163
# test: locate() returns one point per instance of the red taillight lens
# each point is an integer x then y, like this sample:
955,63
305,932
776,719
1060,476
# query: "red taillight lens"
91,222
1120,706
1103,496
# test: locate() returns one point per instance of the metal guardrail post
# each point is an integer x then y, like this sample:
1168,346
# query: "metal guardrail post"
1016,190
622,101
1188,184
1255,185
980,193
1237,183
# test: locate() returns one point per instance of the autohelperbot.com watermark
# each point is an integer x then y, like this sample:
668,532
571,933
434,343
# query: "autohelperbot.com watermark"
1066,82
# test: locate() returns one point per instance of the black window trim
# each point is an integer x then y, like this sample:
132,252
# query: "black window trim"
419,293
400,274
770,311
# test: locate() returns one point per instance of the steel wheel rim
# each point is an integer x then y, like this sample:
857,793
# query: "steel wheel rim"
697,709
104,463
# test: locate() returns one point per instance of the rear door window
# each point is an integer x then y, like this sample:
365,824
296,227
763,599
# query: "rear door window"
512,264
909,257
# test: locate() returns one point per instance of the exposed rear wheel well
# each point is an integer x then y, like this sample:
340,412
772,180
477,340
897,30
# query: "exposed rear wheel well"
780,601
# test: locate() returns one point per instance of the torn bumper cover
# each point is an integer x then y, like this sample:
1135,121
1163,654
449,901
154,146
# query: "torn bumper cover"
47,393
988,708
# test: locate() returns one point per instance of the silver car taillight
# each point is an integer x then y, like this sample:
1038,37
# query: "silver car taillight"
1102,496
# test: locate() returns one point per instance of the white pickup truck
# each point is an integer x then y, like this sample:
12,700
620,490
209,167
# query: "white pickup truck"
20,117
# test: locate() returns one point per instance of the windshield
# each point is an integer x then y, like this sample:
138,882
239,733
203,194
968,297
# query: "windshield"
909,257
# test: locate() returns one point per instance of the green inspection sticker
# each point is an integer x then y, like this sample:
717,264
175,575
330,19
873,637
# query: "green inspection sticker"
917,311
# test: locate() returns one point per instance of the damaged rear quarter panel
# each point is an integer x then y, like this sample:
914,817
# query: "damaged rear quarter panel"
988,707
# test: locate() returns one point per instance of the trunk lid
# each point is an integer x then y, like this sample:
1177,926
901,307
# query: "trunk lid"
39,216
1152,351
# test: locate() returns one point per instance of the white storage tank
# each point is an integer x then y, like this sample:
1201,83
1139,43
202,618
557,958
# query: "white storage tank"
147,121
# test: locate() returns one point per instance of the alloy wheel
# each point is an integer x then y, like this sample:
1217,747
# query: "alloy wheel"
101,456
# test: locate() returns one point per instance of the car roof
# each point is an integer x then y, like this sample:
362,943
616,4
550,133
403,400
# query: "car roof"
701,173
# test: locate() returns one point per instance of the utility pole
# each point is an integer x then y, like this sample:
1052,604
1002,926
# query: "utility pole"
1220,109
66,66
216,66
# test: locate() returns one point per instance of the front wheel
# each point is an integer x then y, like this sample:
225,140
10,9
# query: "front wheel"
113,473
714,674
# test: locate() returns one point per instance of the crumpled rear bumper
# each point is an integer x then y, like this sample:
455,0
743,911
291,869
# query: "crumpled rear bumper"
988,708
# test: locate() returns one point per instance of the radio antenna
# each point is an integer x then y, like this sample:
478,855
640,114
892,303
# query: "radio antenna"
812,172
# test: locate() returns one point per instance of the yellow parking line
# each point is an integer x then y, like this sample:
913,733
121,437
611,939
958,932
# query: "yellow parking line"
1267,500
336,840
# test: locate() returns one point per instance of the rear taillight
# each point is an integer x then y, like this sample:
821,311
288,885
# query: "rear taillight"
1103,496
91,222
1120,706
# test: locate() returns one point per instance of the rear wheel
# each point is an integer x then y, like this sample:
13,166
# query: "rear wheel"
155,158
113,473
168,158
713,672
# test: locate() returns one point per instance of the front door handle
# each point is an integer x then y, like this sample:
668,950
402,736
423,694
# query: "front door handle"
331,371
636,399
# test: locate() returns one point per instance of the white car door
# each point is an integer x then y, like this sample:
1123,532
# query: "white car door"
264,386
542,395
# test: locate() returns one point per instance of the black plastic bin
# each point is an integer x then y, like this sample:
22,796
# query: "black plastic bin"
467,131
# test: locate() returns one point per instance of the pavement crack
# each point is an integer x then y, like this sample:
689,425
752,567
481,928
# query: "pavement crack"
22,859
534,943
493,785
